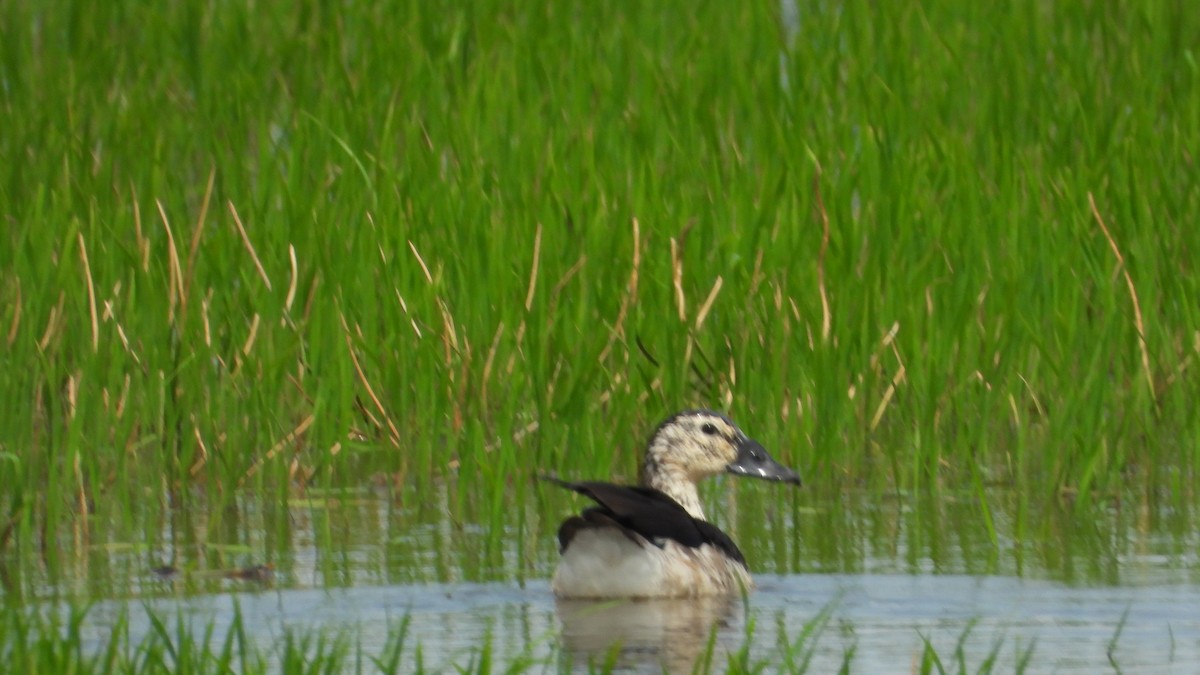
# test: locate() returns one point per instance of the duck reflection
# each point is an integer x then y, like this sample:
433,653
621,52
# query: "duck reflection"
665,634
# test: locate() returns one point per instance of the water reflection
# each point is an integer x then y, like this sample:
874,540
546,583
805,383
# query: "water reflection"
895,569
667,634
880,622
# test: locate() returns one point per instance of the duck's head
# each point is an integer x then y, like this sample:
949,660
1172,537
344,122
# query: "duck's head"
701,443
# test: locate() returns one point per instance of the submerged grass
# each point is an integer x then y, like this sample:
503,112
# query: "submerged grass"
153,642
274,246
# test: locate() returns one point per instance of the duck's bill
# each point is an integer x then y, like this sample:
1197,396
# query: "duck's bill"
753,460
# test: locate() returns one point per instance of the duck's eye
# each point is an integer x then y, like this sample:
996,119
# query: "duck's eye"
709,429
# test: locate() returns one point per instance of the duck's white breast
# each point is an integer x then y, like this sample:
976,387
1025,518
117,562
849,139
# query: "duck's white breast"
604,563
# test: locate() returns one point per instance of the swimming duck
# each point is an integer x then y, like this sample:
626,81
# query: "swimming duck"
652,540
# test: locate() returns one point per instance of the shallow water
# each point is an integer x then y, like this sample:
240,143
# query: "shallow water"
875,578
882,618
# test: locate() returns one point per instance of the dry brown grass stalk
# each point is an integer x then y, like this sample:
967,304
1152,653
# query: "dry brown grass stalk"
175,273
194,248
826,315
91,292
1139,325
279,445
393,432
708,302
237,221
533,271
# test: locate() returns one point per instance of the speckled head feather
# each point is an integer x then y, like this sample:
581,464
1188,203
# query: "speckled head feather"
700,443
696,444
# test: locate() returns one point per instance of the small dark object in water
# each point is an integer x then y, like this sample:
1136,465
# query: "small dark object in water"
166,571
260,573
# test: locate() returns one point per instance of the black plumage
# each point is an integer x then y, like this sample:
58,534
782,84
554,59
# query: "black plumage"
641,514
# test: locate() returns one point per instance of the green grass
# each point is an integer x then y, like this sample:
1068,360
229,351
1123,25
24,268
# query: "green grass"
148,640
269,247
56,641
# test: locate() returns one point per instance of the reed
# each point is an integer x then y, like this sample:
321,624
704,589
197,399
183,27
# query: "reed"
283,248
154,642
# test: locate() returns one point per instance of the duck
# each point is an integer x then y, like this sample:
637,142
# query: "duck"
652,540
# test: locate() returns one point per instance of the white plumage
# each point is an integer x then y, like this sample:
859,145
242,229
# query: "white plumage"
652,541
604,563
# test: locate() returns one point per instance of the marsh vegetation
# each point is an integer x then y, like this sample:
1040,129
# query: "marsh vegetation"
279,278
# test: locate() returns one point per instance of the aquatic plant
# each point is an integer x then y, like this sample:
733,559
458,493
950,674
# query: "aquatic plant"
940,252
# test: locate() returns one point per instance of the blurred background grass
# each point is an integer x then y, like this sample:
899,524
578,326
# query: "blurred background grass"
277,246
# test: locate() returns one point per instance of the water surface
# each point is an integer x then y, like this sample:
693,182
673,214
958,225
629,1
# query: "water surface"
882,619
853,576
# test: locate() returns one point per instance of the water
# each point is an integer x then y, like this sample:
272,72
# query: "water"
882,618
871,578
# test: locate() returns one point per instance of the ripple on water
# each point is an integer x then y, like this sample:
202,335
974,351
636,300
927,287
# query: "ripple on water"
893,577
883,619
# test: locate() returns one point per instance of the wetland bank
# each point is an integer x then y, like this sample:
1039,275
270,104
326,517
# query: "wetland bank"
323,287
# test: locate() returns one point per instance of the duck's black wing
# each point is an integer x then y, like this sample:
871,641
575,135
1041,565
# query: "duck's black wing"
642,511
